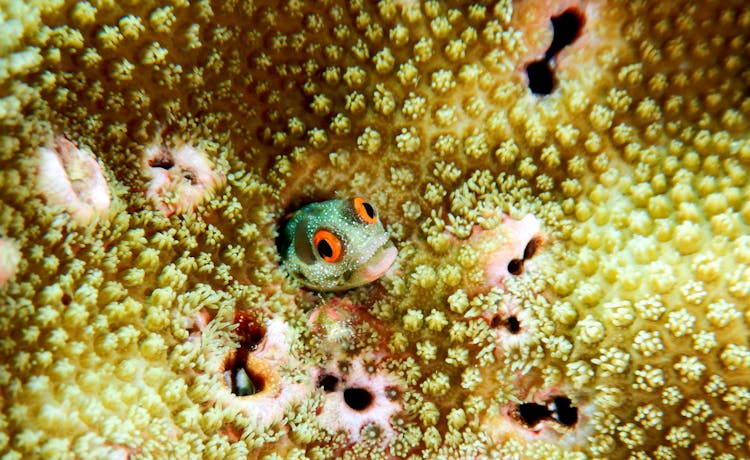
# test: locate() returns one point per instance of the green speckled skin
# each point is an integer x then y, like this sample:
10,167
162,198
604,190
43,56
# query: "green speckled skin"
364,246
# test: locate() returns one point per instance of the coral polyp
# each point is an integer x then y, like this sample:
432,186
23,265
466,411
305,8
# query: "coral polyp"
565,183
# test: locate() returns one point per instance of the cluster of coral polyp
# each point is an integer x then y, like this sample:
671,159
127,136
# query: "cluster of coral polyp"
566,182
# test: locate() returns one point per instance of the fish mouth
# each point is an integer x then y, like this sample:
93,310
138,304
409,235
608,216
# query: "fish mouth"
380,262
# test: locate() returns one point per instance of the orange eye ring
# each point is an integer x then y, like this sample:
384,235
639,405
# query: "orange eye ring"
328,245
364,210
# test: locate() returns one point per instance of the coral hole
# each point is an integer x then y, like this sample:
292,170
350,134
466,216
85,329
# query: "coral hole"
566,29
515,266
328,382
532,247
564,412
240,379
513,325
250,330
66,299
163,161
531,413
541,80
558,410
357,398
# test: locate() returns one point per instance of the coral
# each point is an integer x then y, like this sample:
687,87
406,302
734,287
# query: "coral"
70,178
566,182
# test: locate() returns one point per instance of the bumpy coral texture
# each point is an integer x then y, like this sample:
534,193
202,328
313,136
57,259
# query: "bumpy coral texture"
573,270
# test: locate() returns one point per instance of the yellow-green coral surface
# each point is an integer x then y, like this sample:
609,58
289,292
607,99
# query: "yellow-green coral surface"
635,169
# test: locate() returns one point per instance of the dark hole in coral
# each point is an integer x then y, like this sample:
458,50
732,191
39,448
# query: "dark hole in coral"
190,177
532,247
531,413
240,380
541,80
357,398
66,299
162,161
513,325
250,330
515,266
496,321
566,27
325,249
564,412
328,382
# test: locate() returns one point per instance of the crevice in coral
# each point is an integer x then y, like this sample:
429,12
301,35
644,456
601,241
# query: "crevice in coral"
558,410
358,399
532,247
250,330
515,267
513,325
566,29
241,380
328,382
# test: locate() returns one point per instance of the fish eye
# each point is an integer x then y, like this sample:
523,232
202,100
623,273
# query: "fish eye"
328,245
364,210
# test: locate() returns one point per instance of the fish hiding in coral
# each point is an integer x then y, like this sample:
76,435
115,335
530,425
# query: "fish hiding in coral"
336,245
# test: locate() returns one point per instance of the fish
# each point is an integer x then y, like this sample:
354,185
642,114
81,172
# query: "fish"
335,245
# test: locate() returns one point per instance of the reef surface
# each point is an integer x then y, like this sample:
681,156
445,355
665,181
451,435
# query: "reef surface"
566,183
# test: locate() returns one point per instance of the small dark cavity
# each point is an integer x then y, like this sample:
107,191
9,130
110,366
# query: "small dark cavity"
564,412
559,410
515,266
190,177
566,29
250,330
496,321
240,380
162,161
357,398
513,325
532,247
541,80
325,249
66,299
328,382
531,413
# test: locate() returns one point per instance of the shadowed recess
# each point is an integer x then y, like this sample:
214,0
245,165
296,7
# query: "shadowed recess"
357,398
566,29
328,382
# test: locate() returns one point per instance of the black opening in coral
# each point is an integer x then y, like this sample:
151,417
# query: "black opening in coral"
328,382
240,380
531,413
357,398
566,29
515,266
513,325
564,412
531,247
164,162
541,80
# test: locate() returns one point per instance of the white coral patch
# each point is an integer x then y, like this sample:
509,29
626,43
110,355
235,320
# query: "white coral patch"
179,178
71,178
337,415
9,258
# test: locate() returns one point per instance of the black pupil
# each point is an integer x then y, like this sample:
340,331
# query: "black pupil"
325,249
368,209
